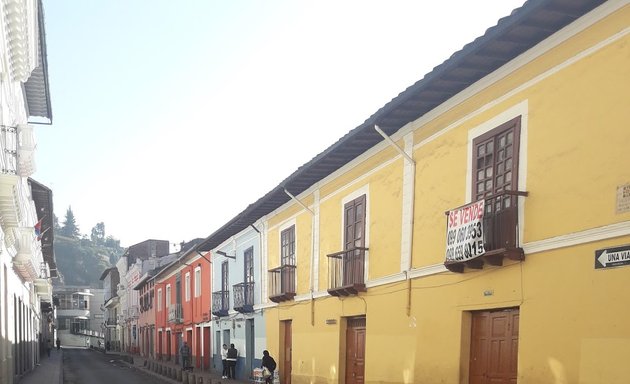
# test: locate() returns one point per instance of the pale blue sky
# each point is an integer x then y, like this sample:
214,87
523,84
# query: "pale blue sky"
170,117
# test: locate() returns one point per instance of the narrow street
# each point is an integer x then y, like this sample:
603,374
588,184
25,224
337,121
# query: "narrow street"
84,366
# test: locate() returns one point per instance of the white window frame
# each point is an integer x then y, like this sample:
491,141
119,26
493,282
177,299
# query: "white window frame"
168,297
159,299
187,287
197,281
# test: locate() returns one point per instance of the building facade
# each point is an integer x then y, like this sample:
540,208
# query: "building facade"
237,298
145,288
79,315
27,262
182,310
111,304
476,229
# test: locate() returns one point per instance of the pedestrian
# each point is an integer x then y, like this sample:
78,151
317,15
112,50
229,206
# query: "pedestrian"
270,364
224,351
58,344
184,352
232,356
48,347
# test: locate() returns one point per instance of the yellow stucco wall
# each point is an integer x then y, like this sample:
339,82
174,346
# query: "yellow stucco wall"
576,152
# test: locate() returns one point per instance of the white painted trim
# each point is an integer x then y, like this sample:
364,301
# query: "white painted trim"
427,271
168,329
587,236
189,329
286,224
187,287
307,296
264,234
160,329
315,239
400,276
407,206
200,280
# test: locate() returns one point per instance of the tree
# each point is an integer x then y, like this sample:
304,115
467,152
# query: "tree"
56,225
98,233
70,227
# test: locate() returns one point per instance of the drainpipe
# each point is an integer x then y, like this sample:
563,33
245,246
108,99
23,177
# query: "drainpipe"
412,192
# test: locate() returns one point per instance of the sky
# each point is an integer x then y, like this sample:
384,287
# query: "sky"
171,117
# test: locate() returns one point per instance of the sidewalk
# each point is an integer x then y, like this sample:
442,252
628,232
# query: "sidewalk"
48,371
150,367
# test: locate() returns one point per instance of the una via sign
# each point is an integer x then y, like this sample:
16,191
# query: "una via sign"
612,257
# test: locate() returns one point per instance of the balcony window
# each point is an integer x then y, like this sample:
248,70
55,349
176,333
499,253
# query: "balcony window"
496,202
197,282
221,299
282,283
346,268
187,287
220,303
282,279
175,314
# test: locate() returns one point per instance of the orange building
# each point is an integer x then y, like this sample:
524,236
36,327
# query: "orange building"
182,308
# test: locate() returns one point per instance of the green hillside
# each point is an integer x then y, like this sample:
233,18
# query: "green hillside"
82,260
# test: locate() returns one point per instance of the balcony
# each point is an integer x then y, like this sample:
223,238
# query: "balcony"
175,314
345,272
28,256
111,322
10,208
26,151
9,148
220,303
500,234
282,283
244,297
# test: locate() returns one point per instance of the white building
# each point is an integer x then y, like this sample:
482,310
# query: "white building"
27,260
79,315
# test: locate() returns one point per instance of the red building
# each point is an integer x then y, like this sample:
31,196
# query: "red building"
182,292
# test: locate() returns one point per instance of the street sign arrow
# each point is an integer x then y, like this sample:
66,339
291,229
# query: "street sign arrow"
612,257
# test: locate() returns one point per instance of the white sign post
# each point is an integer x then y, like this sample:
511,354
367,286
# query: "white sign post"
464,233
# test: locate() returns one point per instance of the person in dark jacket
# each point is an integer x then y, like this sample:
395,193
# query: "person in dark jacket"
269,363
232,356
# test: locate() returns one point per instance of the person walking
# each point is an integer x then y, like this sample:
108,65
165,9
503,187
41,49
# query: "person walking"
232,356
184,352
48,346
224,351
58,344
270,364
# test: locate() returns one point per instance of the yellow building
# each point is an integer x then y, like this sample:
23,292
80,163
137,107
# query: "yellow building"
476,229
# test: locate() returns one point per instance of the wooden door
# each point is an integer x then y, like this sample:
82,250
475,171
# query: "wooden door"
354,236
206,348
355,351
285,369
494,347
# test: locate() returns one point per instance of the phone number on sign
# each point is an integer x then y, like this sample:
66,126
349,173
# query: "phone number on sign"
465,243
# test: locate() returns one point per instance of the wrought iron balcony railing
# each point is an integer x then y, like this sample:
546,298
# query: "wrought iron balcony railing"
500,232
282,283
220,303
112,321
175,314
244,297
346,272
